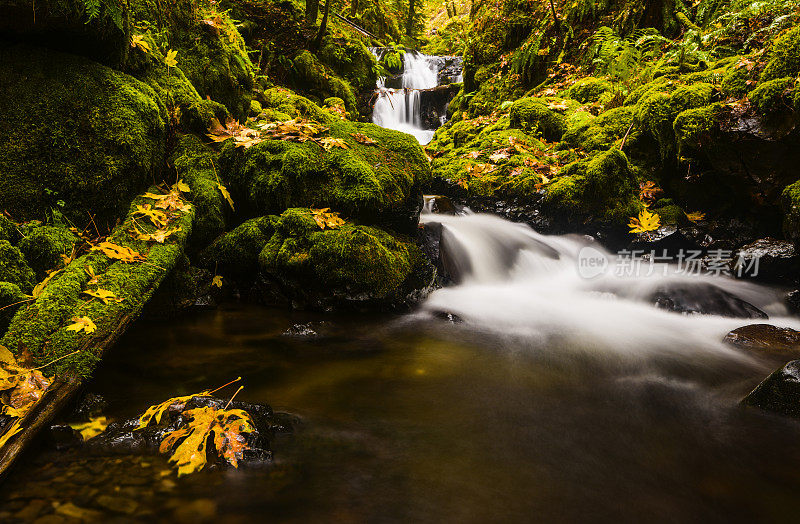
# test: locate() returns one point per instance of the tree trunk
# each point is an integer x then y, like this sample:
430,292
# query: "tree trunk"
323,26
353,8
312,10
410,19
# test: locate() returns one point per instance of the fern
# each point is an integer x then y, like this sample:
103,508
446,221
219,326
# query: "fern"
621,58
91,9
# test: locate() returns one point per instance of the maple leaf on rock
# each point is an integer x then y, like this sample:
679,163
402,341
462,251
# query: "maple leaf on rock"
647,221
363,139
155,412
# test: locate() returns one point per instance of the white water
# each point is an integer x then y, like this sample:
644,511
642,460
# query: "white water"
400,108
517,282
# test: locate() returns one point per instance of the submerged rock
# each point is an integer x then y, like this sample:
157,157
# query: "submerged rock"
703,299
779,392
764,337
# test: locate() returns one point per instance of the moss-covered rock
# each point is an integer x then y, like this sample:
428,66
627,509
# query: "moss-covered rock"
590,89
14,268
696,128
790,203
285,104
598,134
75,131
771,96
784,57
533,115
45,246
602,187
351,60
353,266
375,184
311,76
235,253
10,301
8,230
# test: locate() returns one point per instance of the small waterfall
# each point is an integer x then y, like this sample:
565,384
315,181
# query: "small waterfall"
401,108
514,281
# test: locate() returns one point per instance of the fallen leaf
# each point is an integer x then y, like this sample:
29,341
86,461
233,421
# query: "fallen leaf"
216,281
696,217
325,218
156,411
330,142
91,429
158,218
117,252
181,186
171,58
363,139
159,235
140,42
103,294
226,194
82,324
10,432
646,221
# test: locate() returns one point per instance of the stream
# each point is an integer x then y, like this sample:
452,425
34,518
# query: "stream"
556,398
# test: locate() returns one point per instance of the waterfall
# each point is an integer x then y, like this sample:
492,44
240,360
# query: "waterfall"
514,281
400,109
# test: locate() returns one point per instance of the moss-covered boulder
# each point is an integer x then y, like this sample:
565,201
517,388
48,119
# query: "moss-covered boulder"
534,115
773,96
351,60
45,247
601,187
8,230
373,183
11,298
590,89
235,253
784,57
14,269
602,132
76,132
311,76
69,26
353,266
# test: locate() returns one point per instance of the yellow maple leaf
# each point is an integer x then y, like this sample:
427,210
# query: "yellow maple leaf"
226,194
171,59
696,217
156,411
117,252
91,429
103,294
140,42
83,323
647,221
182,186
37,290
158,218
188,446
216,281
330,142
325,218
10,432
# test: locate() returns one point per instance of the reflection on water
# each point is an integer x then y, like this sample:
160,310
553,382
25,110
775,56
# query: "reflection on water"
411,419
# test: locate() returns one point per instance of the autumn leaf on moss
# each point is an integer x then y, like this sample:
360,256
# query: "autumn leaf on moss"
138,41
158,218
226,194
696,217
363,139
500,154
330,142
117,252
472,154
159,235
103,294
83,323
478,170
172,201
297,130
91,429
181,187
216,281
647,221
38,288
327,219
156,411
188,446
171,59
93,278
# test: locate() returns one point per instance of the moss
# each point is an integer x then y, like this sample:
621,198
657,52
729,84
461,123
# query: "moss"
601,186
784,57
769,97
285,102
14,268
696,128
235,254
10,298
45,246
790,204
533,114
91,147
690,96
311,76
737,80
195,163
8,230
351,60
377,184
255,108
654,114
354,265
671,215
597,134
589,89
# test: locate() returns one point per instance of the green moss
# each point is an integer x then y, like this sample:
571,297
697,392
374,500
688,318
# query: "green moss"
737,80
597,134
8,230
601,186
255,108
534,115
770,97
672,215
790,204
285,102
690,96
654,114
195,163
44,247
10,298
14,268
75,131
784,57
351,266
696,128
312,76
235,254
589,89
351,60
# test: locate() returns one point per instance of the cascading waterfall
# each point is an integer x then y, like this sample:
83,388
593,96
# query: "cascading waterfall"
516,282
400,109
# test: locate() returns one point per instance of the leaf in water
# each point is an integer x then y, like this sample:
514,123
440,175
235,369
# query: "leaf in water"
91,429
363,139
330,142
226,194
103,294
646,221
171,59
117,252
140,42
189,445
216,281
325,218
696,217
82,324
156,411
10,432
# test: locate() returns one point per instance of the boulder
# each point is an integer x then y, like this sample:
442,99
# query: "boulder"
775,260
779,392
764,337
14,269
703,299
45,247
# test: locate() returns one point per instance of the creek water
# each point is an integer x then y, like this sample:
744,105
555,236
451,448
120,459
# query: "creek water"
556,399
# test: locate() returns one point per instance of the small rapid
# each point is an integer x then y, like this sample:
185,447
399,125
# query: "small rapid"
513,281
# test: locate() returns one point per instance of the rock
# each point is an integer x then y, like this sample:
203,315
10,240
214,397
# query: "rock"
774,260
703,299
667,239
779,392
449,69
793,301
448,317
438,204
45,246
235,254
764,337
101,143
433,104
117,504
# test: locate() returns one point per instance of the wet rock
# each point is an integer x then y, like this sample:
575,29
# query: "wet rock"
764,337
448,317
429,237
433,104
793,301
307,330
769,259
666,239
703,299
117,504
779,392
449,69
439,204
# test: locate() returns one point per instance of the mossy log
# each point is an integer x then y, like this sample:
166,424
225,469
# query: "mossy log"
38,333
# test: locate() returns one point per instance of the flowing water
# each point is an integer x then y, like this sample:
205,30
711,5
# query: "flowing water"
558,398
400,108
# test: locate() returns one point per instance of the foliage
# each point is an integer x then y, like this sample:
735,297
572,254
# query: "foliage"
646,221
